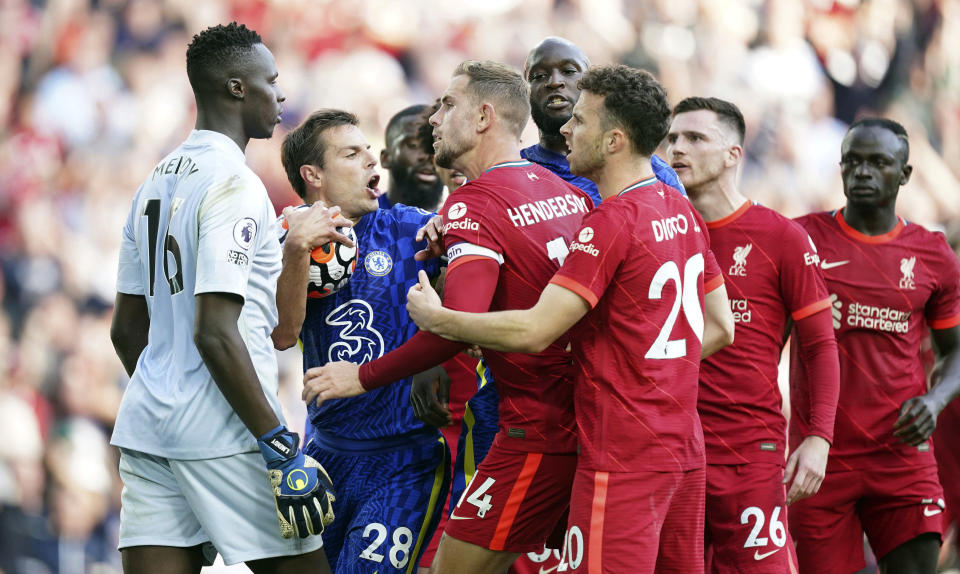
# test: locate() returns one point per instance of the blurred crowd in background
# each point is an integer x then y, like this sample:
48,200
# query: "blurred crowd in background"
94,93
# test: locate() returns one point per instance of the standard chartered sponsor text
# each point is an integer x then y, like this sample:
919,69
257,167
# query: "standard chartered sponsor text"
878,318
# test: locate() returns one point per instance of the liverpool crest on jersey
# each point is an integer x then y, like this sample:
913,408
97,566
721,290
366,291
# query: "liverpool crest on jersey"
906,269
739,267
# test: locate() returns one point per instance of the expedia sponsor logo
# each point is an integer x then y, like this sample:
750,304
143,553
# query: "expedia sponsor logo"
587,248
878,318
670,227
463,224
546,209
457,210
741,310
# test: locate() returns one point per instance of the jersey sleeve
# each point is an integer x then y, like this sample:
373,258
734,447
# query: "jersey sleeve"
129,272
801,281
596,252
712,275
943,308
232,219
468,233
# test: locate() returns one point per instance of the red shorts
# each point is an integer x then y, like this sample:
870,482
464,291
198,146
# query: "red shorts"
514,501
948,460
892,506
637,522
746,520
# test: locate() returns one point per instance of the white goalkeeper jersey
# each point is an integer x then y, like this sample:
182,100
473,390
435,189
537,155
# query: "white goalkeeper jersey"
200,223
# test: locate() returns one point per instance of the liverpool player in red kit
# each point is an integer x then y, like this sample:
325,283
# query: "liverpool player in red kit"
506,233
632,288
772,275
889,280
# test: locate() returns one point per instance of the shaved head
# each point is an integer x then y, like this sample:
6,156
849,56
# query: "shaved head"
555,43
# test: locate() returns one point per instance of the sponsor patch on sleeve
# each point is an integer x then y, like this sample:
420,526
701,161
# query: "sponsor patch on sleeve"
237,258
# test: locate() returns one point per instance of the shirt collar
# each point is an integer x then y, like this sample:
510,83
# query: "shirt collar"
216,140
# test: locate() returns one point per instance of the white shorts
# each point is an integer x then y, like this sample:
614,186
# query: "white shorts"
226,502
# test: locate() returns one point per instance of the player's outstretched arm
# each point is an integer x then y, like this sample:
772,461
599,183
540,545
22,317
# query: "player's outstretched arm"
129,329
524,331
807,464
469,287
918,416
718,322
308,229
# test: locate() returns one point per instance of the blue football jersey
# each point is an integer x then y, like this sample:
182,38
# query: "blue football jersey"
366,319
558,164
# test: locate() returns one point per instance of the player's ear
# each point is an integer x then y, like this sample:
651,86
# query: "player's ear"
734,155
905,174
312,175
235,88
615,140
384,159
487,115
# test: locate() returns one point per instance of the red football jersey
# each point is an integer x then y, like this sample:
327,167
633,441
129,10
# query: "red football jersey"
522,216
885,291
770,269
642,260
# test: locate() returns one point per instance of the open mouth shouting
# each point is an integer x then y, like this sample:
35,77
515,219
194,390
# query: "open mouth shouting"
372,189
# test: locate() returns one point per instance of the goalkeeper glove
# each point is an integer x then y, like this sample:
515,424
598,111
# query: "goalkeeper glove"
302,490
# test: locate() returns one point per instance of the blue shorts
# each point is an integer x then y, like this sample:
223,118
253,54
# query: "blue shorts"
390,495
481,419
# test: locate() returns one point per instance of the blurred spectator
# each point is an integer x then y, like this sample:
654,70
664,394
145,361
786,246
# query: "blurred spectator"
93,93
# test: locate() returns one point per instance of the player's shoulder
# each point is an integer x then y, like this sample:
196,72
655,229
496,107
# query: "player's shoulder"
776,223
401,213
817,222
916,235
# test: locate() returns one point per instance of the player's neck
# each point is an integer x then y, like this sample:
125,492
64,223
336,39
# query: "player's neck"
482,157
716,200
871,220
416,196
619,173
224,124
553,142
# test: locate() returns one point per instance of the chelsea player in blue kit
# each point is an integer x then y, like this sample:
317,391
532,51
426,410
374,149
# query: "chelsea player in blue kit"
391,470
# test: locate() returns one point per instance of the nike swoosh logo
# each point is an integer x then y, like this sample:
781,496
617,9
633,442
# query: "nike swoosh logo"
832,264
548,570
928,512
455,517
758,556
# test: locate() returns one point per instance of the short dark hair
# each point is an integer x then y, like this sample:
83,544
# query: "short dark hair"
501,85
394,124
726,111
889,125
216,49
305,145
425,132
632,99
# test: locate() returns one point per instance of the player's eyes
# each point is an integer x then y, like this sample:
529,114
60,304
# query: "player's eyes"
571,71
537,77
